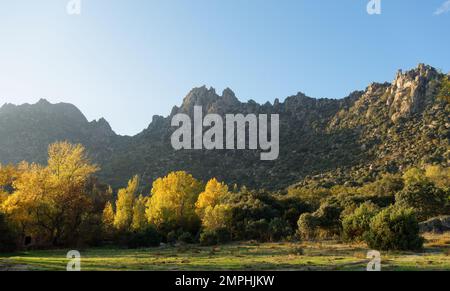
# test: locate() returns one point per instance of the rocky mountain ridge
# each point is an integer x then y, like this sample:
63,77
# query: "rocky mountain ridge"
352,140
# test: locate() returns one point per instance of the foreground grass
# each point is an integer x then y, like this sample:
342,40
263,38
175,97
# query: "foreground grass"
238,256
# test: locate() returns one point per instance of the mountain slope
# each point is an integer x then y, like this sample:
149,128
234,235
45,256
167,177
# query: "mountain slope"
27,130
385,128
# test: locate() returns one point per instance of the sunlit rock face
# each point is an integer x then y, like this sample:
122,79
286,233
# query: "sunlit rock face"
410,91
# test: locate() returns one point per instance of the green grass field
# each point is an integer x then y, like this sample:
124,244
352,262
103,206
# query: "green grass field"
326,255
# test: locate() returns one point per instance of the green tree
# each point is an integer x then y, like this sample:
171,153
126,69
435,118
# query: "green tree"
394,228
308,226
426,199
357,224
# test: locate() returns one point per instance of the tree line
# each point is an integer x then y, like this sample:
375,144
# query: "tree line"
63,204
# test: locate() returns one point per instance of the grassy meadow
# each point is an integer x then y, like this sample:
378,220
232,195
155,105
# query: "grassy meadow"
303,256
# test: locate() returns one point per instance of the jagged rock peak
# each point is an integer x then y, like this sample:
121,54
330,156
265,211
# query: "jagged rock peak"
422,70
228,94
102,127
410,90
199,96
208,99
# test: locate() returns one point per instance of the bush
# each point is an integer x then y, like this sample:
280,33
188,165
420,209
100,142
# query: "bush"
394,228
325,222
148,237
180,236
307,226
208,238
223,235
7,236
329,216
258,230
428,200
214,237
355,225
279,229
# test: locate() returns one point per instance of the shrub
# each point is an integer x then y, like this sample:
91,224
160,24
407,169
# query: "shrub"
329,216
214,237
307,226
148,237
444,93
208,238
425,198
325,222
357,224
394,228
279,229
223,235
258,230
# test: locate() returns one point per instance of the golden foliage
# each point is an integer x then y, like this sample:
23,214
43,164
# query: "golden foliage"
173,200
124,205
217,217
108,217
139,219
48,202
213,194
210,208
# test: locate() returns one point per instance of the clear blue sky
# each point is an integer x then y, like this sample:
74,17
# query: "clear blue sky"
127,60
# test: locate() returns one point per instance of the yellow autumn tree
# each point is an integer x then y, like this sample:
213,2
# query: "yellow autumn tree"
7,176
214,193
124,205
49,202
108,218
210,205
139,218
172,201
217,217
31,192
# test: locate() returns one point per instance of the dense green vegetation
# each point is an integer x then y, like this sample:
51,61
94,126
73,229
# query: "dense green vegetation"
61,204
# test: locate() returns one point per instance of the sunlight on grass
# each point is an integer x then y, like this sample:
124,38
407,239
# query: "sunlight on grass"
241,256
